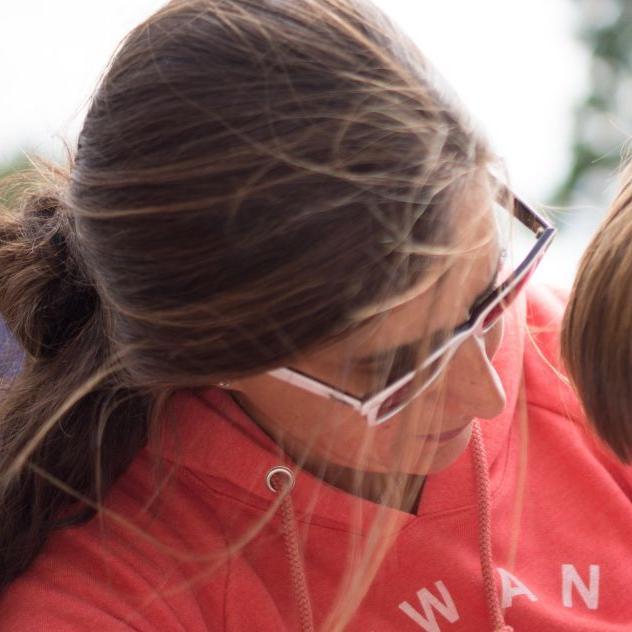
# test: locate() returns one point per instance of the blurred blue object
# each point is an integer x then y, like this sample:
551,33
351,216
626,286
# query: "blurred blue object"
10,353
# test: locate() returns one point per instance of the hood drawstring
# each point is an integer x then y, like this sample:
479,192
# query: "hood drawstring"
280,479
485,530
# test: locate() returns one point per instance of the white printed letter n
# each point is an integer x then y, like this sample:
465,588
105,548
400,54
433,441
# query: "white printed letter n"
589,594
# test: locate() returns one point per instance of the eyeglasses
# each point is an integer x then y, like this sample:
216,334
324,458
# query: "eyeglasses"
381,406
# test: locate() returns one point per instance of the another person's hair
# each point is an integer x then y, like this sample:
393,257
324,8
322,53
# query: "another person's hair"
250,173
597,328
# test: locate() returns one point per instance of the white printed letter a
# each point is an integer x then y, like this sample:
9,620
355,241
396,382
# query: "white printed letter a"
512,587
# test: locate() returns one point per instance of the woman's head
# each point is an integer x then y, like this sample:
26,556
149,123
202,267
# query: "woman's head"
257,183
597,329
250,176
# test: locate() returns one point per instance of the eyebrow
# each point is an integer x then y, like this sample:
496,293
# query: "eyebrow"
436,337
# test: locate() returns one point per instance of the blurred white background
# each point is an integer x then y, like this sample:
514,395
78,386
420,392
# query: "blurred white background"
517,65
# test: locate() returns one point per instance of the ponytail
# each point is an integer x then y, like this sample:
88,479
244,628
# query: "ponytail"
45,299
68,423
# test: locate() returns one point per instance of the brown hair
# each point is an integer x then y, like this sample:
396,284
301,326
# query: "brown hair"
597,328
245,168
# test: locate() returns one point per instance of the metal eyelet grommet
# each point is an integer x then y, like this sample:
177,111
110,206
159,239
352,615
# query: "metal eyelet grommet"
279,470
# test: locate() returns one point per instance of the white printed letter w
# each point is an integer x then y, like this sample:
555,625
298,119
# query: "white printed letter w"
428,601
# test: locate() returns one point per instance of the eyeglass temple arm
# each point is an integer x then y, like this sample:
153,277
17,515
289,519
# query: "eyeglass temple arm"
530,218
523,212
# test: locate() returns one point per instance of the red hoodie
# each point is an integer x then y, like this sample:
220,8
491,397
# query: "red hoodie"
572,539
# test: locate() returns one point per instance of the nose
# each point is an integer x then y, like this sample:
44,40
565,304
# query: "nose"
474,386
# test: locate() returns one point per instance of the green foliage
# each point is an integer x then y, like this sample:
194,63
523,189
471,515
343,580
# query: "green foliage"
17,163
8,169
603,120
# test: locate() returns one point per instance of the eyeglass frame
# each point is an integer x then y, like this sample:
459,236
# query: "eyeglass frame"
369,406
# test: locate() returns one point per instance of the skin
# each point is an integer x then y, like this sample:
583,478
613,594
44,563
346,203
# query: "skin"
334,441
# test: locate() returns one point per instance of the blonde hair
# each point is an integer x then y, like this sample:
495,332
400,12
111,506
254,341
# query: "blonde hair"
597,327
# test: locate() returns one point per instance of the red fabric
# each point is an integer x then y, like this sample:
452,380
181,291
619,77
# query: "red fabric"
573,563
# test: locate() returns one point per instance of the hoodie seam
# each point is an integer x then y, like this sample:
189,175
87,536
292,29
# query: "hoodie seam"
250,505
566,414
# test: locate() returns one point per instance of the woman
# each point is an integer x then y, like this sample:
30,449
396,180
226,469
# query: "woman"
260,314
597,333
